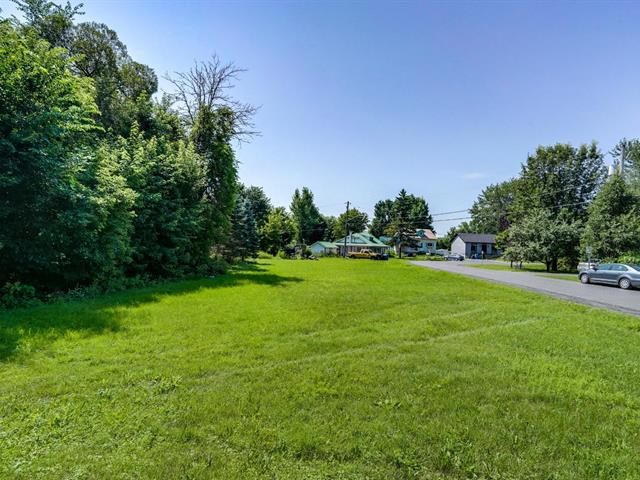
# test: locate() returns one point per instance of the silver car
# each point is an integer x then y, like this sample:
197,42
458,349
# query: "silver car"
626,276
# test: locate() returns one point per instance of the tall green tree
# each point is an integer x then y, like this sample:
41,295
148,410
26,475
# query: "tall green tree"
382,217
402,228
306,217
491,212
244,240
169,237
211,135
260,203
329,222
613,225
629,165
278,231
52,22
46,129
543,236
355,221
419,213
560,179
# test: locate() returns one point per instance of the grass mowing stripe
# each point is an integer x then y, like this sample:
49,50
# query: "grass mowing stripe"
328,369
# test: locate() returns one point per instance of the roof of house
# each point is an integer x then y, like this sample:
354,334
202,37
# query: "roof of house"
362,239
477,237
426,233
325,244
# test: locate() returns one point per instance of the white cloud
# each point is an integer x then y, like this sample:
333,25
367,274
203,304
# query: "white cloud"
475,176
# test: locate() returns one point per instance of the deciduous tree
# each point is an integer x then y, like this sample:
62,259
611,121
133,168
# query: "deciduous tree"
355,221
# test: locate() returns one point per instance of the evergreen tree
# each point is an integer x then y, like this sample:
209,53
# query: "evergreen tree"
243,239
260,203
306,217
251,233
402,229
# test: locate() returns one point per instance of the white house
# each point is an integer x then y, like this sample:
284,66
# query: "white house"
425,242
320,249
471,244
360,241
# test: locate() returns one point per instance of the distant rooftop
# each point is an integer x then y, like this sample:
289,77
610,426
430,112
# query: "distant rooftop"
477,237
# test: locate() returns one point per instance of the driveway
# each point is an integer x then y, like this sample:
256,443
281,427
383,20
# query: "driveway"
612,298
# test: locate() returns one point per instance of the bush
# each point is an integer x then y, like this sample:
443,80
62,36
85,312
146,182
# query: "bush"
16,294
633,259
567,264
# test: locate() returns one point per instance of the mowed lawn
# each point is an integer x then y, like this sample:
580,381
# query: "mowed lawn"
325,369
537,268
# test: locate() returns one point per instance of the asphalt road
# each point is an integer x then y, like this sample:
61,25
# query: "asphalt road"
612,298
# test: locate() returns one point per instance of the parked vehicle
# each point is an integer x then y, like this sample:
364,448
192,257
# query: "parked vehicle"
625,276
456,257
365,253
587,265
442,252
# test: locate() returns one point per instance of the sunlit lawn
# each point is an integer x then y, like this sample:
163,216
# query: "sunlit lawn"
320,369
537,268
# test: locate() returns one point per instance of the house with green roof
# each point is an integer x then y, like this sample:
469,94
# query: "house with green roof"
360,241
320,249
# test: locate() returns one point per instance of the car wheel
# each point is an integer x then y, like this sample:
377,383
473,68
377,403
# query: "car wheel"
624,283
584,278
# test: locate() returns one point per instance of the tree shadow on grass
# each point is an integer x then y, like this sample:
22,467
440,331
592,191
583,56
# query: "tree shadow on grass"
25,331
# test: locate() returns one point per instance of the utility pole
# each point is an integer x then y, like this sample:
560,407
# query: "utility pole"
346,230
622,159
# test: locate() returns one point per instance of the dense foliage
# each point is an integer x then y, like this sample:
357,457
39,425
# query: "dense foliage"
613,227
355,221
308,223
98,181
541,215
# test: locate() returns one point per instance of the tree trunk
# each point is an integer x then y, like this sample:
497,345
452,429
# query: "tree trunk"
548,265
554,264
399,250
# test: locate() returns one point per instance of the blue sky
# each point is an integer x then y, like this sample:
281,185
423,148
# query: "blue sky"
361,99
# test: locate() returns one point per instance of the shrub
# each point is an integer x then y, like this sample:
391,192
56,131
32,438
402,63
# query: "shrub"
567,264
16,294
629,258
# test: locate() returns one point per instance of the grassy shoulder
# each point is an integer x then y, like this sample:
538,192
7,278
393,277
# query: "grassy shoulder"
537,268
320,369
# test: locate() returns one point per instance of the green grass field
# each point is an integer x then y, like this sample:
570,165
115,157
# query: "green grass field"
537,268
326,369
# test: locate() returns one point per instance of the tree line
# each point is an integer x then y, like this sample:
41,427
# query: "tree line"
563,203
101,184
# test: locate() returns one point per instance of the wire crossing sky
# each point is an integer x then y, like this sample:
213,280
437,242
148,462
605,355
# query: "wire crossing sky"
361,99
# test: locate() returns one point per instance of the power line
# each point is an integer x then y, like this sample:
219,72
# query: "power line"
450,213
